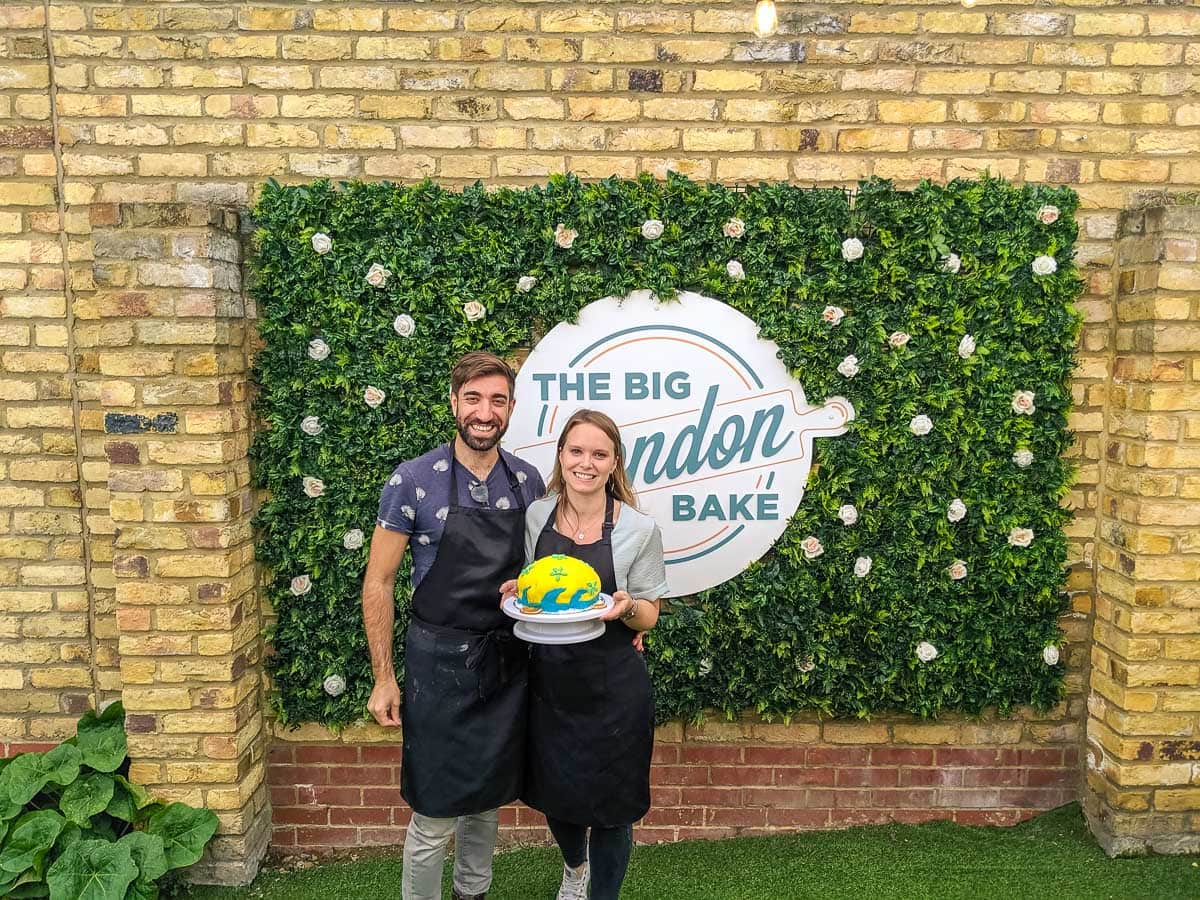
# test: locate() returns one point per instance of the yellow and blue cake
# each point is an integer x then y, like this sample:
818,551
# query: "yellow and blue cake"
557,584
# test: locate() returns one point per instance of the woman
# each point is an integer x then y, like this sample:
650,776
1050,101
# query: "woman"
591,719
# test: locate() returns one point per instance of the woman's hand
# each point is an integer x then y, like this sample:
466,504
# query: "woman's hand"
622,603
508,589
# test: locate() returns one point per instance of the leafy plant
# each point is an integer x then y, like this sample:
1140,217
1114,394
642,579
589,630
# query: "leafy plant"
939,263
73,827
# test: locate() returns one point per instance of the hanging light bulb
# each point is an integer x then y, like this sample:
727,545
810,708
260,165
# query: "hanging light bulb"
765,19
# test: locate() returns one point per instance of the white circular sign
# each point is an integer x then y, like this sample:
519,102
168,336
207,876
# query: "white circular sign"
718,436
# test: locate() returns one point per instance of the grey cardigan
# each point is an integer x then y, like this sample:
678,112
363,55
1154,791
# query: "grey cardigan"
637,548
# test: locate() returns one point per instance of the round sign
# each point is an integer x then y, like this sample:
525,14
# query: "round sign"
717,434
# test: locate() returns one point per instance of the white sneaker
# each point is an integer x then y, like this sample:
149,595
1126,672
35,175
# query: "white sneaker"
574,883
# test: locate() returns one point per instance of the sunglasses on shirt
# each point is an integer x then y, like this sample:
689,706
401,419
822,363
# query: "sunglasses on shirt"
479,492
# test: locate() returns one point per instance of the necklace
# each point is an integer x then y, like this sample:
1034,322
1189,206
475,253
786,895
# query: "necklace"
581,533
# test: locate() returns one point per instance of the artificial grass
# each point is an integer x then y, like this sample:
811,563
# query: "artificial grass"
1052,856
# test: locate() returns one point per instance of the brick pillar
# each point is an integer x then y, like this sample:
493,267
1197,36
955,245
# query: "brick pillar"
180,501
1144,710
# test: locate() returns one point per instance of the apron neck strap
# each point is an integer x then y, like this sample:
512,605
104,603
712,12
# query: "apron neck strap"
608,514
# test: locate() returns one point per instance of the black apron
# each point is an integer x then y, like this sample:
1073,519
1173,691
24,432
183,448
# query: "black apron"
465,677
591,716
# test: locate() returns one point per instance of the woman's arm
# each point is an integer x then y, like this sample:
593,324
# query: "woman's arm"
638,607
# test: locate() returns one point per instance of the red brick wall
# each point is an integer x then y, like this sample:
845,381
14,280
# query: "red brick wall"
331,796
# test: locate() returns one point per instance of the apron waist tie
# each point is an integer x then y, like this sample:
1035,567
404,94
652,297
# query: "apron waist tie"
490,653
491,657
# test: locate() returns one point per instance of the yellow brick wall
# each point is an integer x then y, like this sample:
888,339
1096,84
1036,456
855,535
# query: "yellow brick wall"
50,624
198,102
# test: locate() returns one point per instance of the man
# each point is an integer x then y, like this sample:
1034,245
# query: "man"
461,508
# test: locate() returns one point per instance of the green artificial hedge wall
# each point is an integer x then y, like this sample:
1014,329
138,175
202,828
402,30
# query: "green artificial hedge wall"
939,263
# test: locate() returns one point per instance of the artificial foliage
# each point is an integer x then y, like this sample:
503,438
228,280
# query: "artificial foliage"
799,629
74,827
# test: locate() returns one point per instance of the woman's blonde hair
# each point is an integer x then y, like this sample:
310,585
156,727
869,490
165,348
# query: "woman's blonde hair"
618,482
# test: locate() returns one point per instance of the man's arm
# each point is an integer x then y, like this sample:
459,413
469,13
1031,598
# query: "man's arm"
379,616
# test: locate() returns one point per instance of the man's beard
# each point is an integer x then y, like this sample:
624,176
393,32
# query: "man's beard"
477,443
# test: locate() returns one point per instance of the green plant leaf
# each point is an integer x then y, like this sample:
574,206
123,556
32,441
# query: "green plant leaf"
184,831
92,870
129,802
37,889
148,852
85,797
32,835
101,738
30,772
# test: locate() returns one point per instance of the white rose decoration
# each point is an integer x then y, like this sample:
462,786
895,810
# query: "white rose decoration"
920,425
317,349
926,652
373,397
812,547
313,487
334,685
966,347
322,243
705,666
898,339
807,664
951,263
526,283
310,425
301,585
1022,403
852,249
957,570
862,567
848,367
652,229
1020,537
1050,655
1048,214
404,325
956,510
474,310
352,539
1023,458
833,314
564,236
734,228
848,514
734,270
1045,265
377,275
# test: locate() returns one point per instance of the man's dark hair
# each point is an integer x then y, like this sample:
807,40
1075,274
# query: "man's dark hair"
479,364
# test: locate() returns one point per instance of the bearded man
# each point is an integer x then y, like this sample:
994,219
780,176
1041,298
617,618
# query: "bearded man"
461,509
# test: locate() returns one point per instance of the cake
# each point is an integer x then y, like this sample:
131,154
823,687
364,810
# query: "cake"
557,584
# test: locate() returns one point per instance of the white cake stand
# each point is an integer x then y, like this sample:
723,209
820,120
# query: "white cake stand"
573,627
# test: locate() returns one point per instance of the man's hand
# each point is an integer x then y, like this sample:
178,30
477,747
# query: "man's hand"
384,704
508,589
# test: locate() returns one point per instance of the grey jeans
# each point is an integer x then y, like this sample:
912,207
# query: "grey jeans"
425,851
